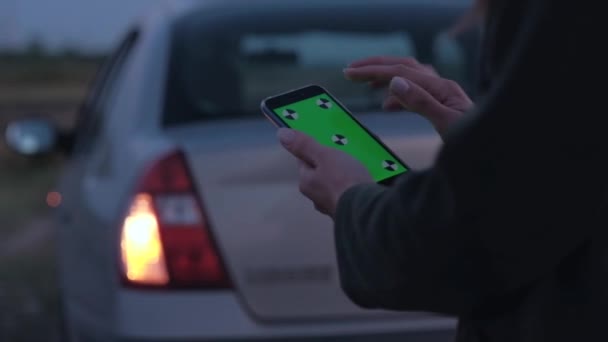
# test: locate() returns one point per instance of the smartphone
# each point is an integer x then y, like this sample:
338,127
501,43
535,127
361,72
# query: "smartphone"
314,111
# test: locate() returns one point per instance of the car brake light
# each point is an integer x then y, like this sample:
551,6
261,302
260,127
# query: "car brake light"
165,237
142,252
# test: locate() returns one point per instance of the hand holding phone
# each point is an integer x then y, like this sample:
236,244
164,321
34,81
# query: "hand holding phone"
313,111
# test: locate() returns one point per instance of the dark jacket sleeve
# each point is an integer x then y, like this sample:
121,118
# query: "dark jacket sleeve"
517,187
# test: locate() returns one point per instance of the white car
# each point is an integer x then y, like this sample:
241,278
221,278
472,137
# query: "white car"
181,218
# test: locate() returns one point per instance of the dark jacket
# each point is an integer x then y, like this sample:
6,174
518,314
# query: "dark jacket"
509,228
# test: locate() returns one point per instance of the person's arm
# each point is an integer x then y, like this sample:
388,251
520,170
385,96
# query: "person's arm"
516,188
396,249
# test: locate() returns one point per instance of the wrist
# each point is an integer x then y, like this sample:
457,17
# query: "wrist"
340,196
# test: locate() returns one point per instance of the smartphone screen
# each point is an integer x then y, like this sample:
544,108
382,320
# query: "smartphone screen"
313,111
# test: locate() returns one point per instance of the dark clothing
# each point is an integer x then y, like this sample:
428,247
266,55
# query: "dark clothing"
509,228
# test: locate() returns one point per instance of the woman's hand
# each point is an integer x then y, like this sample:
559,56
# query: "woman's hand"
414,87
325,173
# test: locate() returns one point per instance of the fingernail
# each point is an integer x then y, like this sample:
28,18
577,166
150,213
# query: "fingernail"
286,136
399,86
345,71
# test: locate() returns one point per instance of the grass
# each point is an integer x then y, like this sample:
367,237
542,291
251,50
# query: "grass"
24,96
44,81
49,70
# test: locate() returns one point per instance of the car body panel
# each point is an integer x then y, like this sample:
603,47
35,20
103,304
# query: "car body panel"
151,316
279,249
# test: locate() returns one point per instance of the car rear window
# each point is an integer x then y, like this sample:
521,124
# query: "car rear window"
222,66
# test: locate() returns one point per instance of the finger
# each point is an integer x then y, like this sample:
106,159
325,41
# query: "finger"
392,104
384,60
427,68
406,61
302,163
380,73
300,145
415,98
430,69
321,209
378,84
304,166
306,176
385,73
392,60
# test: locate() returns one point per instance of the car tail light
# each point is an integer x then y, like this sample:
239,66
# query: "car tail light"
165,239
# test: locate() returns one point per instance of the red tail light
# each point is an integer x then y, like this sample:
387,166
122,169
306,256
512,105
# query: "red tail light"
165,239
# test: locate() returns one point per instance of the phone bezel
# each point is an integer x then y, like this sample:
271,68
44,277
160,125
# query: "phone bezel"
269,104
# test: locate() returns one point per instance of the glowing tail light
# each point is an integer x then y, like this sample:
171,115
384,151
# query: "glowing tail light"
142,251
165,239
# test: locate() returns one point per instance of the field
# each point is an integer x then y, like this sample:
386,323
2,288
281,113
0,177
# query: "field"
53,88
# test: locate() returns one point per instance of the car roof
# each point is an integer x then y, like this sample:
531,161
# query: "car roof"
180,7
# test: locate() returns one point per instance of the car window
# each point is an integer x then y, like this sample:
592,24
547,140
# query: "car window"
100,96
273,63
224,71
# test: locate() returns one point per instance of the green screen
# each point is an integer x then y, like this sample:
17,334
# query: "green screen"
328,123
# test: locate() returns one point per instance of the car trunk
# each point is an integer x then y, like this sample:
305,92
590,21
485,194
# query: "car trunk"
278,250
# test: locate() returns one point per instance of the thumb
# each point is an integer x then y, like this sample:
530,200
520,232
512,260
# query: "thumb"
415,98
300,145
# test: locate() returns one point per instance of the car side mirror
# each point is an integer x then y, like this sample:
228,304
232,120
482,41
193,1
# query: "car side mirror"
32,137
